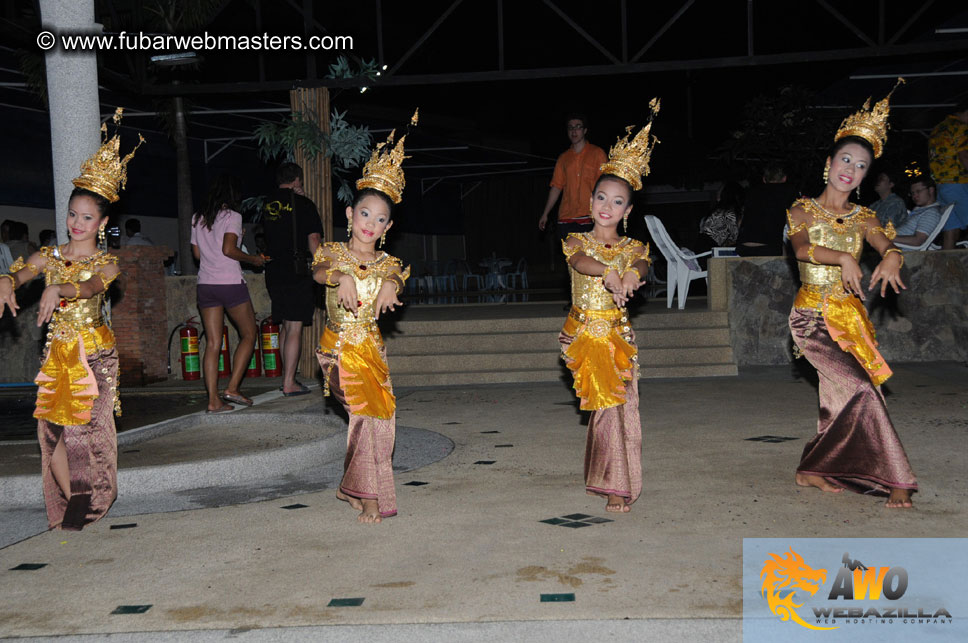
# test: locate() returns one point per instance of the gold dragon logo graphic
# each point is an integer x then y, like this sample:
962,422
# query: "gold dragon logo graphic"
782,577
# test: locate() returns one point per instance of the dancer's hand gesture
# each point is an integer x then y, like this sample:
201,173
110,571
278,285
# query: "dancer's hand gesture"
612,281
631,283
7,298
347,295
386,299
888,271
851,274
49,301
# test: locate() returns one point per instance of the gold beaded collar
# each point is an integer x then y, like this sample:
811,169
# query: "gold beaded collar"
838,222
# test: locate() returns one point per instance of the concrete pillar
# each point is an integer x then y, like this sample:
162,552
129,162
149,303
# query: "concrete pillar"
72,95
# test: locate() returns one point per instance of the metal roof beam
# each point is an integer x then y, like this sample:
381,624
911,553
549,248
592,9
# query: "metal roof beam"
847,23
584,34
440,19
658,66
917,14
663,29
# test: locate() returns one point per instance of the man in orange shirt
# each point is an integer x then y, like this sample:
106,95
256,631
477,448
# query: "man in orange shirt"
575,174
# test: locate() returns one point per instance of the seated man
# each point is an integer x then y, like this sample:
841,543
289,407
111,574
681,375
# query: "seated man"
924,217
890,208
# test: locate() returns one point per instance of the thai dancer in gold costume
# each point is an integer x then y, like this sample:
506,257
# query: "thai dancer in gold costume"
77,393
362,283
856,446
597,342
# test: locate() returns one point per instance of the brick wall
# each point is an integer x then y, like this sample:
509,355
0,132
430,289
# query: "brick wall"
139,314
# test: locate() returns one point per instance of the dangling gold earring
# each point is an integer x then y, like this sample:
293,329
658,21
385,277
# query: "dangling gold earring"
383,238
101,237
625,222
858,192
826,172
349,230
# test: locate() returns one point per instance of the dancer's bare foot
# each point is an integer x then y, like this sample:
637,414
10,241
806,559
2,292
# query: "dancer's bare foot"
356,503
371,512
808,480
899,499
617,504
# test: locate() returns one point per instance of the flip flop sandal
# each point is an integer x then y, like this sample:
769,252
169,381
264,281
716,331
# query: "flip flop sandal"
298,383
235,399
302,391
223,409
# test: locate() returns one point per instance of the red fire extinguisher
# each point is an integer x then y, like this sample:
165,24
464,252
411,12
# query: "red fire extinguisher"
224,359
255,364
271,361
188,338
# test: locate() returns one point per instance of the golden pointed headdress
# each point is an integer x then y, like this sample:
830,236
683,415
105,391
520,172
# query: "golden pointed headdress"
106,173
869,124
383,172
630,159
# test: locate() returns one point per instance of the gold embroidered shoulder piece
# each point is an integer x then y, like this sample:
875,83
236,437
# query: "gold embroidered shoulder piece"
888,231
19,265
792,228
319,256
638,251
105,261
571,250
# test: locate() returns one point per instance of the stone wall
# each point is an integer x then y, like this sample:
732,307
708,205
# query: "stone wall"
926,322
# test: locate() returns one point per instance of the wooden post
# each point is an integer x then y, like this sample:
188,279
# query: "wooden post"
313,103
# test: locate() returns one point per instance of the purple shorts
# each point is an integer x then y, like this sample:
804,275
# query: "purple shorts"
224,295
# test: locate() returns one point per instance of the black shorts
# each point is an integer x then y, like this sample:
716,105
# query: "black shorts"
292,297
224,295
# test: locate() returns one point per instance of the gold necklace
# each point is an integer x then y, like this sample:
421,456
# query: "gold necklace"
833,215
602,244
838,222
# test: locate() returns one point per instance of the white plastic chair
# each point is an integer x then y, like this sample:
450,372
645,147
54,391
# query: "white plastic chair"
521,271
467,275
928,245
683,265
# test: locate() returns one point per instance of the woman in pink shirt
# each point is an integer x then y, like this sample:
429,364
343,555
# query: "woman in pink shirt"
216,237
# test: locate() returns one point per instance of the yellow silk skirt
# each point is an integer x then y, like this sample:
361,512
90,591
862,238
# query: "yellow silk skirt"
600,356
66,387
363,371
848,324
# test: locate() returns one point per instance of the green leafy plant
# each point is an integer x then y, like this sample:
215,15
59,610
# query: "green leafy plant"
346,145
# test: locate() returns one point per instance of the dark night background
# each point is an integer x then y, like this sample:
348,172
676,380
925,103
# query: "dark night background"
699,65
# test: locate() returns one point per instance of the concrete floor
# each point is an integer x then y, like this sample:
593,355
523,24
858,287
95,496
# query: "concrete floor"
468,556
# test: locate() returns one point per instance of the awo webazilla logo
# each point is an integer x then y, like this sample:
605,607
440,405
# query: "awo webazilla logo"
784,576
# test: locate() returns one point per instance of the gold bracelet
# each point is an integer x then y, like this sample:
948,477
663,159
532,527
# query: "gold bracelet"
329,275
632,269
77,292
609,269
813,260
13,281
898,251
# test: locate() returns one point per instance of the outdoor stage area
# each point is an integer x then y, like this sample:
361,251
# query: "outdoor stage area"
227,526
